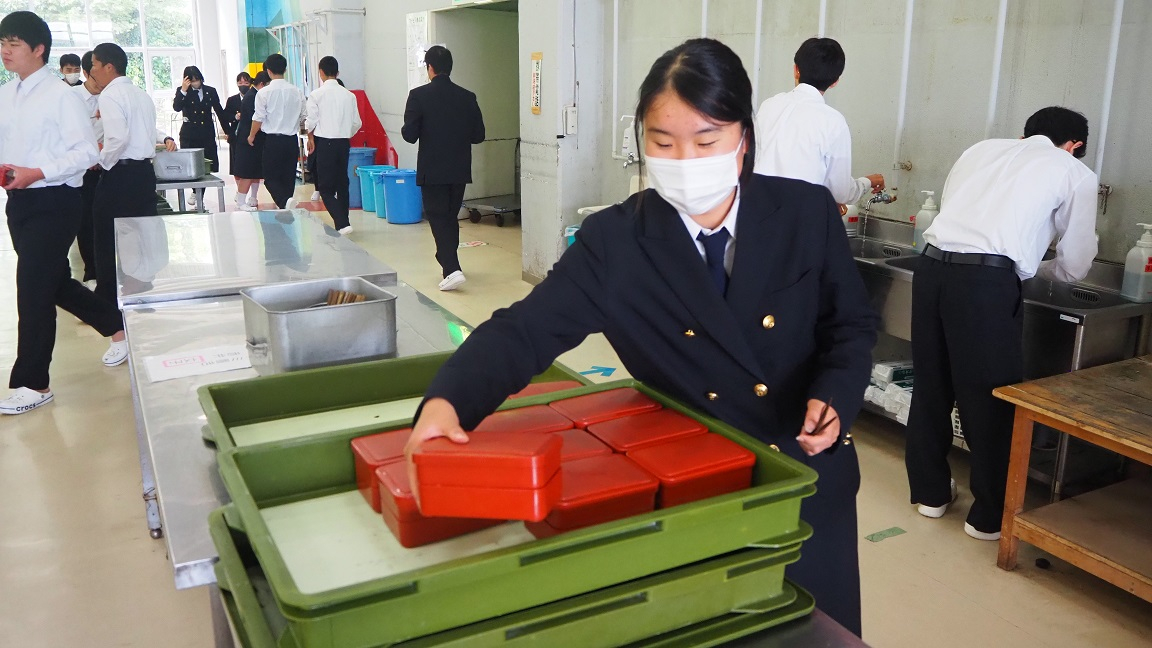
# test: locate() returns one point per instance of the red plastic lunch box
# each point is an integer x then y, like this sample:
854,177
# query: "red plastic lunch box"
403,516
696,468
374,451
603,406
598,490
537,418
644,430
512,476
578,445
535,389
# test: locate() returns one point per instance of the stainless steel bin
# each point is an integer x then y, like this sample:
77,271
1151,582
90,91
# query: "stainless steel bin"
289,328
184,164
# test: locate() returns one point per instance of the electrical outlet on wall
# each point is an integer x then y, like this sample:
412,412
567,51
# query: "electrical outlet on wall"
569,120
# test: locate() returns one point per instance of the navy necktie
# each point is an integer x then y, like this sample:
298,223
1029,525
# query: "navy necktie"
714,245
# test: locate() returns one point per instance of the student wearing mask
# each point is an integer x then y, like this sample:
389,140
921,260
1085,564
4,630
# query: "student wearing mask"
196,102
249,161
734,293
799,136
89,93
46,143
333,118
232,119
128,185
1004,202
279,111
446,120
70,69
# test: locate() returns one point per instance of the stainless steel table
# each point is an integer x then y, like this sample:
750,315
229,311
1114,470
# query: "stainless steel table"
170,420
189,256
199,185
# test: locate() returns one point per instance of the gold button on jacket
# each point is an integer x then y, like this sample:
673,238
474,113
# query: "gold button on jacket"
689,333
761,390
768,321
713,396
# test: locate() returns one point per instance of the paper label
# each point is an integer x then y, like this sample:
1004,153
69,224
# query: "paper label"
197,362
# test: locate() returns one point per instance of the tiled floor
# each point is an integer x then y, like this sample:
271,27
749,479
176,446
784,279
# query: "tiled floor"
77,567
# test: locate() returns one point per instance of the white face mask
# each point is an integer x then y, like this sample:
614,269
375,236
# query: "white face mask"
72,77
696,185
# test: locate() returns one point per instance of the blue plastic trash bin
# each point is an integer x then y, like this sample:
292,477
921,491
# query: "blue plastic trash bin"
402,196
376,177
357,157
364,185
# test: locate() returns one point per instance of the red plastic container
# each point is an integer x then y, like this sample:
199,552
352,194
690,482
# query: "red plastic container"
644,430
603,406
535,389
598,490
696,468
511,476
371,452
537,418
578,445
403,516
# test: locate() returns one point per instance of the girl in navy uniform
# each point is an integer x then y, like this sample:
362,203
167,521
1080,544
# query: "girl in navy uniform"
197,102
734,293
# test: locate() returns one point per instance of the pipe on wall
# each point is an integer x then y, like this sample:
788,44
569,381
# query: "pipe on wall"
823,18
1109,78
756,51
902,103
997,58
703,18
615,74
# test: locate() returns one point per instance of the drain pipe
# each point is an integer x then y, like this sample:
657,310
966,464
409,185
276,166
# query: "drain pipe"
823,18
756,51
703,18
997,58
902,103
1110,77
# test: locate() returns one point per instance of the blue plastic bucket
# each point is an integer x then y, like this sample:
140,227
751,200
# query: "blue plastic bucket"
357,157
402,197
376,178
364,185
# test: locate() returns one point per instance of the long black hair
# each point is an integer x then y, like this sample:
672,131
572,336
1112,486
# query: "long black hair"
194,73
708,76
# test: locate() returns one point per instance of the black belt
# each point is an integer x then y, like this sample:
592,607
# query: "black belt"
278,135
966,258
130,162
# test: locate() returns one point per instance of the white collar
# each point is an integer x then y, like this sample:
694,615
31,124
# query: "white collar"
26,85
808,93
729,223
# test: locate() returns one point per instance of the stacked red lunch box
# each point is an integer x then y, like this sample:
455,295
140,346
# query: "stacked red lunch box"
403,517
371,453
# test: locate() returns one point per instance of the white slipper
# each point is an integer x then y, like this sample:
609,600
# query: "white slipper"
346,230
453,281
291,204
24,400
116,354
315,196
937,511
980,535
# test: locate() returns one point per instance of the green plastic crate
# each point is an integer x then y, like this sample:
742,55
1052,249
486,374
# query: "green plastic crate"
504,580
353,398
690,606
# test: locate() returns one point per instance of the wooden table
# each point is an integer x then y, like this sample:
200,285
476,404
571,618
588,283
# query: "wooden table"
1106,532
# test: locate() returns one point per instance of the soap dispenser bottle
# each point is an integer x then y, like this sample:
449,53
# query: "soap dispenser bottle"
924,217
1137,284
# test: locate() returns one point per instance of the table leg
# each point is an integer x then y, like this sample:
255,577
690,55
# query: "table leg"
223,207
221,629
202,208
1014,491
180,198
147,475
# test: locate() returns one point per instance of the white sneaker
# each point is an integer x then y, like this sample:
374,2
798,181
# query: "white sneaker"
253,200
246,207
980,535
453,281
937,511
116,354
346,230
291,204
192,199
24,400
315,196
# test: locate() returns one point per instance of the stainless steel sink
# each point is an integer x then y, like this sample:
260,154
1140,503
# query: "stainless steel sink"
863,248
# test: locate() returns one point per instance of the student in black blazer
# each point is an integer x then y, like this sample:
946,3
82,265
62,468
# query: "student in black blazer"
196,102
446,120
231,117
751,309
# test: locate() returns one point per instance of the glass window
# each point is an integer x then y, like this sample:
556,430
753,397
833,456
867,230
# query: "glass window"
67,20
136,69
116,21
162,77
169,24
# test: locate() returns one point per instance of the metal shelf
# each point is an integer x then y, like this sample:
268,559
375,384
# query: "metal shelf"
873,408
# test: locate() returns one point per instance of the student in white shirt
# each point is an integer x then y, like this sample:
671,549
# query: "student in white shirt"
799,136
1004,202
333,118
46,143
128,185
279,111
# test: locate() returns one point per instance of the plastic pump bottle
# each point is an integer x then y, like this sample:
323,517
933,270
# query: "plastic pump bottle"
924,217
1137,284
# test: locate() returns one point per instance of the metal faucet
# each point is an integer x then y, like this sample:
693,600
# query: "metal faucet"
630,160
883,197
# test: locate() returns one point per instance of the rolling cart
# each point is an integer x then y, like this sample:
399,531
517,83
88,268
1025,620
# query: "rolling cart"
497,206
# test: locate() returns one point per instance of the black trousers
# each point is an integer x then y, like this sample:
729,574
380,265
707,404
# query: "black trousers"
192,136
441,206
280,155
126,190
332,177
42,223
84,238
967,339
